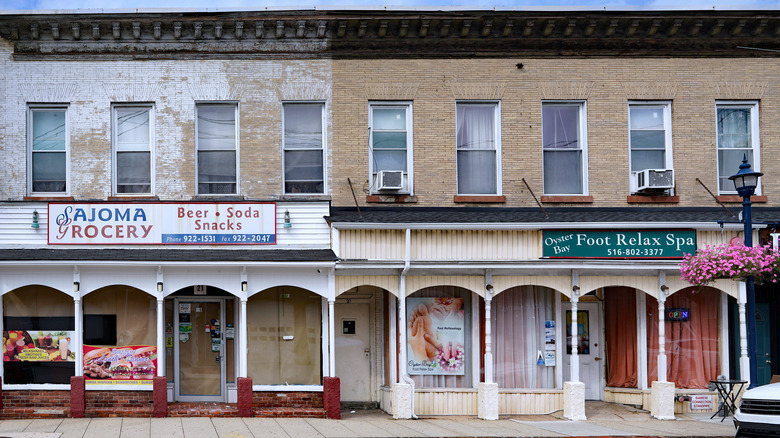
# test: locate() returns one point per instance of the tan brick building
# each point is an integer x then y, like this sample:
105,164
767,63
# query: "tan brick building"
270,201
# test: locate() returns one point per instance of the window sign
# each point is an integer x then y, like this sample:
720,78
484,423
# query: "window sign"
244,223
677,314
621,244
435,338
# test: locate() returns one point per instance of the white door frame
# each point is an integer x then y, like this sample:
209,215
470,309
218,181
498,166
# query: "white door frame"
593,390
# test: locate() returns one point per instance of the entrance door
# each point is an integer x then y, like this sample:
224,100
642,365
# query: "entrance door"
200,361
763,344
353,364
589,347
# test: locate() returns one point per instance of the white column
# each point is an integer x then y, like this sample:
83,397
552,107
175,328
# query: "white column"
79,335
160,337
662,334
332,338
242,342
744,360
488,338
575,358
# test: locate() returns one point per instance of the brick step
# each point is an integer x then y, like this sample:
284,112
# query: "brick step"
192,409
289,412
136,412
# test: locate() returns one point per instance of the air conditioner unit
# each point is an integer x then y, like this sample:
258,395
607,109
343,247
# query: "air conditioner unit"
650,180
390,180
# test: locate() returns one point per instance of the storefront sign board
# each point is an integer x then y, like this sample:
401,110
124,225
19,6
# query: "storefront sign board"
618,244
435,336
242,223
37,346
131,364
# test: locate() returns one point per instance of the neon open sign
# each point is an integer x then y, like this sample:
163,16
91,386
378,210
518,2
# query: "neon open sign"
677,314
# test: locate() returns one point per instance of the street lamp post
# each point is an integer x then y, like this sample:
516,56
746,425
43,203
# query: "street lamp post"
746,181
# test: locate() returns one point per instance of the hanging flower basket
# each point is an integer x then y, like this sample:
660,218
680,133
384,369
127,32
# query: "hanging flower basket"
735,262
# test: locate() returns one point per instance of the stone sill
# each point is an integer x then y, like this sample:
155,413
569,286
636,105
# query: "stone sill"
391,199
489,199
49,198
663,199
134,198
736,199
565,199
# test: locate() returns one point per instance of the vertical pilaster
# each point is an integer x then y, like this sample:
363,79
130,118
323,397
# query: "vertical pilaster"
242,342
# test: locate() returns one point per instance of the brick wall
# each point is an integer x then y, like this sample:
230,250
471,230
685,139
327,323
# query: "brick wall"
288,404
119,404
35,404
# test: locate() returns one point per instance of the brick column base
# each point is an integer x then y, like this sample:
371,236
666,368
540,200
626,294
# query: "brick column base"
160,396
331,397
78,399
244,397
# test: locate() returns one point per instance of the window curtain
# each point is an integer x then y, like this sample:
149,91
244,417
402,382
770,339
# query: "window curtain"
464,381
518,316
691,346
476,149
620,321
734,141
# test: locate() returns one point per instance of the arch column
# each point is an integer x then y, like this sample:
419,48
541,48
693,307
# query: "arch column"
574,390
662,392
488,390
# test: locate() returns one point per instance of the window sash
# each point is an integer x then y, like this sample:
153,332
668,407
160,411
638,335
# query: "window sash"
648,133
217,149
48,148
563,148
736,136
303,148
390,140
476,141
132,138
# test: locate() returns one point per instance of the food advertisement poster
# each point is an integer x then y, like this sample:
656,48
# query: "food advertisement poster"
435,336
132,364
37,346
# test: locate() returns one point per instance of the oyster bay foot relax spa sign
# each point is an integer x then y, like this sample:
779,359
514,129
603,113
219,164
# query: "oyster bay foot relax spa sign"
435,337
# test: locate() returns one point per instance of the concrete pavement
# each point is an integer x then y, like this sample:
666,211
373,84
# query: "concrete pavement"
604,419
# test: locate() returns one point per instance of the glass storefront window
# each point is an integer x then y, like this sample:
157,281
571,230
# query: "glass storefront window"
38,325
285,337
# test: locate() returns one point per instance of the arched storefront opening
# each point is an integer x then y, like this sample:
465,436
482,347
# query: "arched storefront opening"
38,324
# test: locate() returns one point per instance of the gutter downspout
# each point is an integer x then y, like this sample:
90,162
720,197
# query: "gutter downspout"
403,374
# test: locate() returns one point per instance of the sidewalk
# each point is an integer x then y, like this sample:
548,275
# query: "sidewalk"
604,419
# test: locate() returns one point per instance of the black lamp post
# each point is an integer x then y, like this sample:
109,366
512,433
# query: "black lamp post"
746,181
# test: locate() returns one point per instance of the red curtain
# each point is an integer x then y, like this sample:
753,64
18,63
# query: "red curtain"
620,320
692,345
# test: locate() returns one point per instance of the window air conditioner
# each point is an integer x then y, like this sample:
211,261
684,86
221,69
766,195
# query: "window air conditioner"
649,180
390,179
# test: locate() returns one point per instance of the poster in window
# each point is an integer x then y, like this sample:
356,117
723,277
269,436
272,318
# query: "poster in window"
583,332
435,336
37,346
132,364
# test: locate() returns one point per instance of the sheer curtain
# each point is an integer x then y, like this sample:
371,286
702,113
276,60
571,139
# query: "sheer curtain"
620,321
476,146
464,381
691,346
518,316
734,141
562,149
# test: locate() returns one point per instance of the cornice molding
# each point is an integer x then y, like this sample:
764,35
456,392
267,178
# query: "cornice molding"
392,34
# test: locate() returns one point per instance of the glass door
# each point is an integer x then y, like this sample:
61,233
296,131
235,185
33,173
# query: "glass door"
199,339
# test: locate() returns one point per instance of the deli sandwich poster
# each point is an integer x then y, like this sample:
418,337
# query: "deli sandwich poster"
132,364
435,336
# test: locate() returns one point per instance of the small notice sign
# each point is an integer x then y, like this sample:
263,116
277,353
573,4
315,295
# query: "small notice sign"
701,402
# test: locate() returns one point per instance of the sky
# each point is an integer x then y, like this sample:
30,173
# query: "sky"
211,5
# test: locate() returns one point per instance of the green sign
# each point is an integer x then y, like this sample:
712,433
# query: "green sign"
618,244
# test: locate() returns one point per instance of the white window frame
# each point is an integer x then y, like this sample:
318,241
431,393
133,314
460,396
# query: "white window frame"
323,110
149,107
583,140
667,119
237,148
497,138
31,108
754,137
408,183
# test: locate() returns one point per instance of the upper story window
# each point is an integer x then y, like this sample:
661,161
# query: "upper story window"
650,144
477,142
564,148
390,159
217,145
737,136
304,144
48,146
132,149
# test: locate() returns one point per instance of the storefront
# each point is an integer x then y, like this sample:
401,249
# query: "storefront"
120,314
488,313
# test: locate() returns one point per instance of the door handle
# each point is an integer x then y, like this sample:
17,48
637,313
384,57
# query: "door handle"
768,361
597,359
